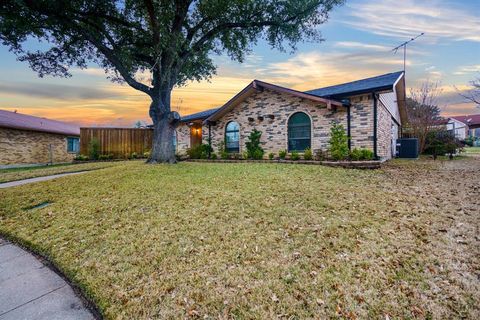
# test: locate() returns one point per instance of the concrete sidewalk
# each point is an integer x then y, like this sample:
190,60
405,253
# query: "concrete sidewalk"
30,290
38,179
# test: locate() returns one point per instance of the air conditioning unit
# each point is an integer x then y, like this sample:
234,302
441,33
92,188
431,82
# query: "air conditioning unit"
407,148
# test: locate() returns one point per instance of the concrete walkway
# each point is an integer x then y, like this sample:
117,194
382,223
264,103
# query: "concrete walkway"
30,290
38,179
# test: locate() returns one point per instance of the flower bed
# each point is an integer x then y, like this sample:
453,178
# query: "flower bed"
370,164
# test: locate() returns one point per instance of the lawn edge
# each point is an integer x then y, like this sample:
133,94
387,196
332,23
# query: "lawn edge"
77,289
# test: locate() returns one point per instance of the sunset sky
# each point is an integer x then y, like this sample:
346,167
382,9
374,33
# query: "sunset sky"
358,37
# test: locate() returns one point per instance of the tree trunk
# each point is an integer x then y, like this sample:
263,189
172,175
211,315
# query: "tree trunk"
164,124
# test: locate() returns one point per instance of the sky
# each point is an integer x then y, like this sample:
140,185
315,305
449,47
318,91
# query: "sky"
358,41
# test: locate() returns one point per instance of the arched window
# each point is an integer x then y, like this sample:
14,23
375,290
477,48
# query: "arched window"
232,137
299,128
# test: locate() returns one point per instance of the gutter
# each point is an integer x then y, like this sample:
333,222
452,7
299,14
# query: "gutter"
347,104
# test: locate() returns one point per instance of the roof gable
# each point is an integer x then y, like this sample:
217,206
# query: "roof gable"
256,86
378,83
14,120
202,115
473,119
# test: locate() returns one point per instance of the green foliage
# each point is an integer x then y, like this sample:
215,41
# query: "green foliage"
367,154
105,156
213,156
282,154
338,142
94,149
358,154
200,151
294,156
469,141
308,154
440,142
253,145
81,157
271,155
224,155
146,154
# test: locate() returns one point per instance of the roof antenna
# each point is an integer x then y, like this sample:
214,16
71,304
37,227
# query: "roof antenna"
404,45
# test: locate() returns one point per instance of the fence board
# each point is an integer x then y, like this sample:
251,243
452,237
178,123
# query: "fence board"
120,142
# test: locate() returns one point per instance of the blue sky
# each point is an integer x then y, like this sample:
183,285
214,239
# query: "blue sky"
358,37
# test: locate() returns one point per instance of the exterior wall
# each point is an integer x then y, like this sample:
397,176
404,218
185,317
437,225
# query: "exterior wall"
384,132
275,131
183,138
361,121
28,147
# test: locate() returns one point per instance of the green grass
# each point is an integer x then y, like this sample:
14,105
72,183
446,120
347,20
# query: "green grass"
14,174
237,241
472,150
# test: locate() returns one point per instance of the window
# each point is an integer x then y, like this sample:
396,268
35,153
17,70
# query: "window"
73,145
299,128
232,137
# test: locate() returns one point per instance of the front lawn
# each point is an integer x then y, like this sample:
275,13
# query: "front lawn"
260,241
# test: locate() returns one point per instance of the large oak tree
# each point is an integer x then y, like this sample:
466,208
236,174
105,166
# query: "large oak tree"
172,40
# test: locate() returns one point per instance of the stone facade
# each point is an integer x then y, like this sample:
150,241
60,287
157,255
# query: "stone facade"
282,106
29,147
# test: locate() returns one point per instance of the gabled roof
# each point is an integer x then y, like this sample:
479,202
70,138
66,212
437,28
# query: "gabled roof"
379,83
199,115
257,85
14,120
470,120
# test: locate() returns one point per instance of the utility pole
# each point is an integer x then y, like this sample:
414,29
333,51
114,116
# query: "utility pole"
404,45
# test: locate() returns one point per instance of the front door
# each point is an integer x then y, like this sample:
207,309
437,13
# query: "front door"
195,135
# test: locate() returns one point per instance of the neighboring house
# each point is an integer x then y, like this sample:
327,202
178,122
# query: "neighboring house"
27,139
465,126
371,110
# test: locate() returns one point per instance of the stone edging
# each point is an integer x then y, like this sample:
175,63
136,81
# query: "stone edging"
25,245
373,164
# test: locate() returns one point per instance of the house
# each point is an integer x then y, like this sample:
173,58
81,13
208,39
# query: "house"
465,126
371,110
26,139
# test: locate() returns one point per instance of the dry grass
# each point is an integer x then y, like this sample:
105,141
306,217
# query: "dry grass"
249,241
14,174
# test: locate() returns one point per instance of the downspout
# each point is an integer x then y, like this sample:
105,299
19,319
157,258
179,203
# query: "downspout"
375,111
349,121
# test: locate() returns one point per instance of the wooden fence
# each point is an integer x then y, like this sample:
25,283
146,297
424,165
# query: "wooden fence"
120,142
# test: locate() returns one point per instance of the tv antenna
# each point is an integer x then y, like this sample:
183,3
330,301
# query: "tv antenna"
404,45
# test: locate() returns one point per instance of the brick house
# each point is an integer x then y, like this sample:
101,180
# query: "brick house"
26,139
371,110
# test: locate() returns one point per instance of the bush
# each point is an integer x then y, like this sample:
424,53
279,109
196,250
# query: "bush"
356,154
200,152
367,154
244,155
147,154
253,145
338,142
308,154
134,155
81,157
320,155
213,156
271,155
440,142
294,156
94,149
105,156
282,154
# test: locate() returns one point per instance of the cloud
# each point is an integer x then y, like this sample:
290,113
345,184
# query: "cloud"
467,69
360,45
407,18
54,91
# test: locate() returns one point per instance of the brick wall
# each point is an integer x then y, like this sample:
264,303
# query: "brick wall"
28,147
275,131
384,132
361,121
183,138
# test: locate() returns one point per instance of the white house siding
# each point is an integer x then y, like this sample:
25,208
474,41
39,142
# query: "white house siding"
459,127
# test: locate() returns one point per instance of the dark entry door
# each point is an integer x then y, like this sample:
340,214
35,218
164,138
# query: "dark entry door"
195,135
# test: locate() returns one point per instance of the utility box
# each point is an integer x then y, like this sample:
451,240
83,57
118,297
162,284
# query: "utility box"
407,148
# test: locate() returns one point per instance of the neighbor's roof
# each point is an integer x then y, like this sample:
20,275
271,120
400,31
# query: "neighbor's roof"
199,115
378,83
14,120
257,85
473,119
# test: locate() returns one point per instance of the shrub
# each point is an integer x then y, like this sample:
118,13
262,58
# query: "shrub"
294,156
338,142
308,154
146,154
282,154
439,142
245,155
133,155
81,157
320,155
213,156
253,145
199,152
105,156
94,149
271,155
356,154
367,154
